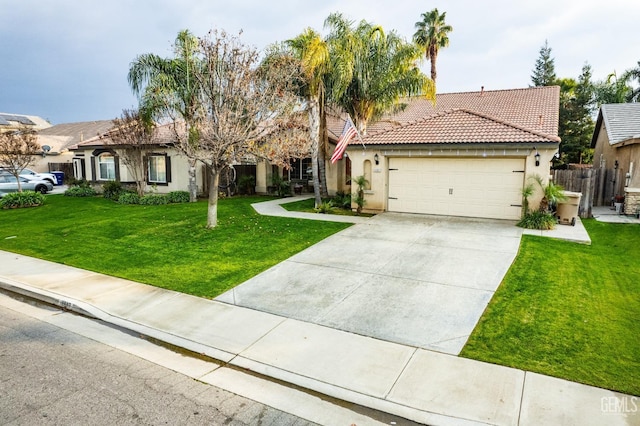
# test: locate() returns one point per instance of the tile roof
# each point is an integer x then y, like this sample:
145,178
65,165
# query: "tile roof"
622,121
457,126
532,113
63,136
162,135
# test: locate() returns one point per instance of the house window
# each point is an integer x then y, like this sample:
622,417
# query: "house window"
106,167
158,169
301,169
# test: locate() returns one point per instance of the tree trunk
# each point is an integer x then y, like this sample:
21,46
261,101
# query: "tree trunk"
212,209
322,154
193,184
433,54
17,176
314,129
322,171
140,186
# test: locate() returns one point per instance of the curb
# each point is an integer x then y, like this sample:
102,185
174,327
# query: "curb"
237,360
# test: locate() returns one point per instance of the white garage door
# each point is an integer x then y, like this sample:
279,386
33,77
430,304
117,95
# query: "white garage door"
487,187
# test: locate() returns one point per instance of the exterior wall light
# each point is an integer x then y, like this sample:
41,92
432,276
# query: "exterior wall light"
537,157
376,158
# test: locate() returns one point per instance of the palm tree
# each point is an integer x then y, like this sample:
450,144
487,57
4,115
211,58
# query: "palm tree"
313,53
629,76
371,70
431,35
166,89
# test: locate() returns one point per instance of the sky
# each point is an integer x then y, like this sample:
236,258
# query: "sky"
67,60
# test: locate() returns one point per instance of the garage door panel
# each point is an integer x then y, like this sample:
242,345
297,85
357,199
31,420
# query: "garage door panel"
480,187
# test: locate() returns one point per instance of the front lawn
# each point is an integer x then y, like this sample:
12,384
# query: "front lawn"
165,246
308,206
569,310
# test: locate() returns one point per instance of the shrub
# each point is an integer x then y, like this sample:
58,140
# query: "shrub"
154,199
325,207
538,220
82,183
129,198
342,200
16,200
112,190
360,201
282,187
80,191
178,197
247,184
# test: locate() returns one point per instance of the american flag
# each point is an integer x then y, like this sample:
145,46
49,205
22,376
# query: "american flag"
348,133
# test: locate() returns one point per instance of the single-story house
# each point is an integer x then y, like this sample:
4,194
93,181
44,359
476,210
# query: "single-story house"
56,140
99,160
616,143
469,154
10,121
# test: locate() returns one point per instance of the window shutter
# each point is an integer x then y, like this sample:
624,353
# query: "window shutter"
94,178
116,162
145,165
168,166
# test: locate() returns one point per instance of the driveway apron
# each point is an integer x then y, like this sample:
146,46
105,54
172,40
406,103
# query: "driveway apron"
417,280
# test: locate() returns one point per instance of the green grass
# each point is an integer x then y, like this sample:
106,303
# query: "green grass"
309,204
166,246
569,310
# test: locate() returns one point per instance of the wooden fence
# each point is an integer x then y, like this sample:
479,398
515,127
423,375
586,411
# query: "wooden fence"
585,181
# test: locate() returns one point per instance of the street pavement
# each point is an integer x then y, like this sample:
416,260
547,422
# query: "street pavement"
52,376
61,368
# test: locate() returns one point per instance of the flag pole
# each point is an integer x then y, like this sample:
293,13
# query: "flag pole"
357,132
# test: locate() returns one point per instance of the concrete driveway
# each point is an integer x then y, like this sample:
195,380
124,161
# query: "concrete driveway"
417,280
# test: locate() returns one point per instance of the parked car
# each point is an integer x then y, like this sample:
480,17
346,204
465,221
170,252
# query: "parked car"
9,183
30,174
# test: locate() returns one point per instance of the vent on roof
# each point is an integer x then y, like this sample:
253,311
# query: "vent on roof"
540,120
481,90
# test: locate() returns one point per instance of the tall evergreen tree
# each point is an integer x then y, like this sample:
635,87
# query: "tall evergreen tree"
576,123
544,73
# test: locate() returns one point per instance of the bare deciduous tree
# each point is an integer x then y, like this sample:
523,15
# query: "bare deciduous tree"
242,103
133,135
17,151
288,140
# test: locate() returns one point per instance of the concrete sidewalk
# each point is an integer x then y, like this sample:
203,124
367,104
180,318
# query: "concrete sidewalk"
274,208
575,234
414,383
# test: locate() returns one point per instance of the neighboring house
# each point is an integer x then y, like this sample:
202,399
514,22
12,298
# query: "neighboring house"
616,143
56,140
470,154
10,122
99,160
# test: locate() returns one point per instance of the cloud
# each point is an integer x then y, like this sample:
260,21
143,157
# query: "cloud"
68,59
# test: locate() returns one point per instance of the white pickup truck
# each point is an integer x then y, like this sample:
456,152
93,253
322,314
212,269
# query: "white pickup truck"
30,174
